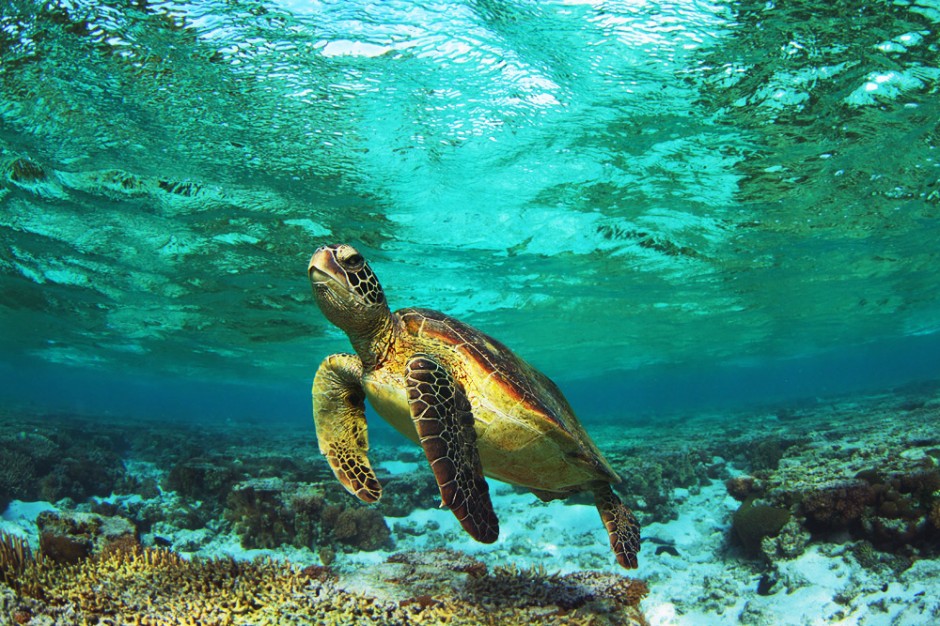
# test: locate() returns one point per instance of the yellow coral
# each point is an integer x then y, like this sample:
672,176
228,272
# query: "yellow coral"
14,557
155,587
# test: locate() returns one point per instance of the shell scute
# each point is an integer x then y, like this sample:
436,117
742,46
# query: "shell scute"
488,366
518,382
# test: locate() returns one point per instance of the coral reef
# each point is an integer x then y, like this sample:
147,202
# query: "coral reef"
261,517
22,170
649,482
752,523
15,557
268,512
360,526
742,487
210,474
836,506
766,453
595,593
506,595
884,494
206,479
200,477
49,461
934,516
404,493
890,507
788,543
71,537
861,480
154,587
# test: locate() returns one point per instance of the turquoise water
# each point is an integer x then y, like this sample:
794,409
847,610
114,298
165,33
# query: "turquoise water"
619,191
713,224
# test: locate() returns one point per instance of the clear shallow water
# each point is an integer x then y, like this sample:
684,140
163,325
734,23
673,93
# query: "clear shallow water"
651,197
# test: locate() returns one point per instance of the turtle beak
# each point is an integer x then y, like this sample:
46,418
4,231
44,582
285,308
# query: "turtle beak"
320,264
318,278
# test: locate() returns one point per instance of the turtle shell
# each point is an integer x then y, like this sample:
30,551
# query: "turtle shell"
486,365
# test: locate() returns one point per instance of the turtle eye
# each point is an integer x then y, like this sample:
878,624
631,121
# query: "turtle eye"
354,261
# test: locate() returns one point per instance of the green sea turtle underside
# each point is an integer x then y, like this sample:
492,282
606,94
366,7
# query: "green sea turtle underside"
473,406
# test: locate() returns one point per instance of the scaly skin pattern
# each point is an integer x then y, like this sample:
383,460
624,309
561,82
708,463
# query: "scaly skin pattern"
622,527
444,424
339,416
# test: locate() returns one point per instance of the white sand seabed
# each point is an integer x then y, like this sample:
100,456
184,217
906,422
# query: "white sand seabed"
708,583
19,519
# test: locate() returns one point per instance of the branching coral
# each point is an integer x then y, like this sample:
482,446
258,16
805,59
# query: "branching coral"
15,556
18,472
157,587
145,586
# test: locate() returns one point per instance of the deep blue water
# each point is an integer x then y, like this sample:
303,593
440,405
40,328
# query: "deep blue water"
635,397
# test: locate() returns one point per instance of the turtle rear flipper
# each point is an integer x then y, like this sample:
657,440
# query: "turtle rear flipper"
444,422
622,527
340,419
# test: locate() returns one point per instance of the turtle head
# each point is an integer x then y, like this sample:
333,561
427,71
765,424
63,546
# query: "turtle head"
347,290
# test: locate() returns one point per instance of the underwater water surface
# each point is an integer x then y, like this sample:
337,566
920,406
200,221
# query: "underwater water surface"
602,186
720,214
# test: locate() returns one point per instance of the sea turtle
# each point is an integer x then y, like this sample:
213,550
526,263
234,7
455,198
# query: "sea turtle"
473,405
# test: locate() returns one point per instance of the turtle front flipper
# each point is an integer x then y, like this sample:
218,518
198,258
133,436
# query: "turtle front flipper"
621,525
340,418
444,422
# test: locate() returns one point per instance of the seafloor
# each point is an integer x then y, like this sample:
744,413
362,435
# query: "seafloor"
827,511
